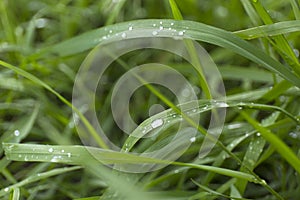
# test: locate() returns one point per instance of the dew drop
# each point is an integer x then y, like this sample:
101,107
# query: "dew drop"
161,28
17,133
6,189
160,22
110,31
157,123
124,35
257,134
176,171
20,156
54,159
62,151
130,28
25,159
172,24
50,150
154,25
222,105
69,155
193,139
154,33
180,33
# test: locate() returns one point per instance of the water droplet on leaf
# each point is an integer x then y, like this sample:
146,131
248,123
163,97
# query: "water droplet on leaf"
17,133
193,139
157,123
124,35
180,33
154,33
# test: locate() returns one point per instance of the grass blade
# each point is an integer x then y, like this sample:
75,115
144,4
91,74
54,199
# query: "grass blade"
193,30
276,142
81,154
37,177
278,28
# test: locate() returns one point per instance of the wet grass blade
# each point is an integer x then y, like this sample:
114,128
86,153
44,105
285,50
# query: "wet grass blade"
81,155
193,30
269,30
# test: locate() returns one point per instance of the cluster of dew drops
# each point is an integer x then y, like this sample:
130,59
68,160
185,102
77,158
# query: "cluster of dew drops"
158,28
62,154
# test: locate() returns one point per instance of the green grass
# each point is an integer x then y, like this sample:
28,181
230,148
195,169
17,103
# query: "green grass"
255,45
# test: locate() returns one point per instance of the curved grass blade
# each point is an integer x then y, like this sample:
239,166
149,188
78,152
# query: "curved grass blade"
172,117
269,30
192,30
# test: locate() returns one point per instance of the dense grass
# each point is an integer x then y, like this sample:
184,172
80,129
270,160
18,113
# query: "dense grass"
255,45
